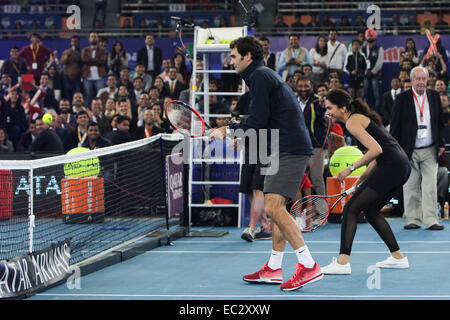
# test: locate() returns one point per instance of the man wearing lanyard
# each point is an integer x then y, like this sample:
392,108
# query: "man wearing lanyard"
35,55
14,66
78,136
417,124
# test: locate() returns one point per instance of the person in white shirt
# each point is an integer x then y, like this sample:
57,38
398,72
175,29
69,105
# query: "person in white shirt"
319,56
337,53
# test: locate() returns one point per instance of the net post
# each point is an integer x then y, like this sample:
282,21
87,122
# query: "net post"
164,163
31,216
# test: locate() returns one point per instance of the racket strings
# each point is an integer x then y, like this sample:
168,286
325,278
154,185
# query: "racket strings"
310,212
184,120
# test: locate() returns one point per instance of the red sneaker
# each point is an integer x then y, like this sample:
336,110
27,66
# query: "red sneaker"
265,275
302,276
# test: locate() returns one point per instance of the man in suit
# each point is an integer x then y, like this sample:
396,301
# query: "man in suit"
120,133
46,99
269,57
149,129
417,124
28,137
174,86
388,100
98,117
150,56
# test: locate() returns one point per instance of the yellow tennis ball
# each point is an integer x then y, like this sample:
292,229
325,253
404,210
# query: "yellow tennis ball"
47,118
223,41
343,157
82,168
208,41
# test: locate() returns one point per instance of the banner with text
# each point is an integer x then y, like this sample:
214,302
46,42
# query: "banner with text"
28,273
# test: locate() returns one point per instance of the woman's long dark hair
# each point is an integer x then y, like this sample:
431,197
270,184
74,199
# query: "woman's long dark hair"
342,98
324,50
113,49
414,48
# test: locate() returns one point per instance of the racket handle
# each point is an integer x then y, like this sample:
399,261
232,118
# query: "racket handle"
350,190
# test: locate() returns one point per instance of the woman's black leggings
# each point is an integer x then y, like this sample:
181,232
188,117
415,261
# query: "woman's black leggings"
366,200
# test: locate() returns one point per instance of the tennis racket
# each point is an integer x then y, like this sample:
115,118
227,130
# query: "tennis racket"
186,119
311,212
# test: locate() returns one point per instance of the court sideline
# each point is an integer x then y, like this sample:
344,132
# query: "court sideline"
201,268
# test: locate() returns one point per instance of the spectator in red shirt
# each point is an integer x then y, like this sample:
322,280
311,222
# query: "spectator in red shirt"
35,55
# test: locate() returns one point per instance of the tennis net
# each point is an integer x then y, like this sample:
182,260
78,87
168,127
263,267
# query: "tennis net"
98,199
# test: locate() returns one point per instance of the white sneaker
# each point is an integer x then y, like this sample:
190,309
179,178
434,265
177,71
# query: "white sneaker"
335,268
393,263
248,234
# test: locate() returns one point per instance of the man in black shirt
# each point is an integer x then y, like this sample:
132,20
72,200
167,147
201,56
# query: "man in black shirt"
94,139
120,133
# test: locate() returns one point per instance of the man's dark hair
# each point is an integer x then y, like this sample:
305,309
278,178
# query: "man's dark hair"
248,44
14,48
333,29
403,69
320,85
304,78
92,124
121,118
37,35
82,112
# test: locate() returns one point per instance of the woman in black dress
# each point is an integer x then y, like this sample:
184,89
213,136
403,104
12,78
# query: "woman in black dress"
388,169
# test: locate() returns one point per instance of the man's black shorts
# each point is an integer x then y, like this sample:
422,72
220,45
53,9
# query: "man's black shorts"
251,178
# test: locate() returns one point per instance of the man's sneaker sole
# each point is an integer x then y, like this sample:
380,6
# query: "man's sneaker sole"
265,280
247,237
391,266
263,237
317,278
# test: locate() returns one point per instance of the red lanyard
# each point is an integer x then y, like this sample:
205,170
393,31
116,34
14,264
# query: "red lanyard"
422,106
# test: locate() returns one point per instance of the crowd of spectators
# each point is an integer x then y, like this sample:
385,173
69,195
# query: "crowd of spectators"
93,85
405,23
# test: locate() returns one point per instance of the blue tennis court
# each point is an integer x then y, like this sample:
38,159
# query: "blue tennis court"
211,268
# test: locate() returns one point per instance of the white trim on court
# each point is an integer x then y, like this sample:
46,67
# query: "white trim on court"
252,296
265,252
309,241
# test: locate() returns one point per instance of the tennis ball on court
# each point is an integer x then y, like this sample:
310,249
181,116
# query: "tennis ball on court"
343,157
47,118
82,168
223,41
208,41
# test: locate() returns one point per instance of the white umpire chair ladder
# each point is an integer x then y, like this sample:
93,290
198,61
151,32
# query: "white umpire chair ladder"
201,48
